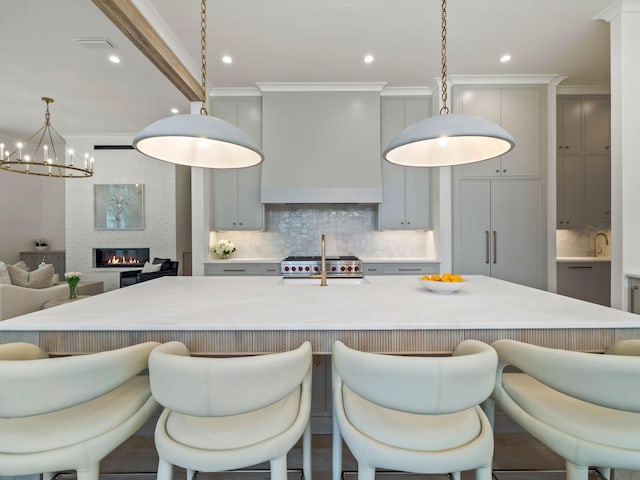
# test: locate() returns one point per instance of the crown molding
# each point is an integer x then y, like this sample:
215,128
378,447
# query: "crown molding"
406,92
235,92
584,90
320,86
534,79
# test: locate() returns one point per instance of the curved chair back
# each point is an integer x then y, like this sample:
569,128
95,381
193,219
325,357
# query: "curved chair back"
424,385
21,351
51,384
625,347
576,373
191,385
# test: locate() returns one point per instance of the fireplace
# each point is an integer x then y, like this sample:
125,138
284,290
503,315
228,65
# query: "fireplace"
120,257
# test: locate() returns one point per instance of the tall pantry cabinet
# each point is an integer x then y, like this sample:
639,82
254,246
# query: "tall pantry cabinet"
498,205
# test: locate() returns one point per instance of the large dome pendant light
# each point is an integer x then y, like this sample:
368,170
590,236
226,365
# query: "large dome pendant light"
448,139
199,140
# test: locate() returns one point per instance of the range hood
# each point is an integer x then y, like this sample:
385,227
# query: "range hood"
321,146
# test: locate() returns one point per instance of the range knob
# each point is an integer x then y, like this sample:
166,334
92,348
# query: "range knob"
356,269
342,269
307,268
333,269
349,268
316,269
286,269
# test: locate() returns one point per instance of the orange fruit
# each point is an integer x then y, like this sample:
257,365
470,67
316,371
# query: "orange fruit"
435,277
425,277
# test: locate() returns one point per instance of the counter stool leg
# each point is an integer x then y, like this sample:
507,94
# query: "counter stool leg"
306,452
484,473
191,474
279,468
336,452
165,470
366,473
576,472
92,472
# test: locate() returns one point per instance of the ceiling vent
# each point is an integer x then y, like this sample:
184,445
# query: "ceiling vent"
95,43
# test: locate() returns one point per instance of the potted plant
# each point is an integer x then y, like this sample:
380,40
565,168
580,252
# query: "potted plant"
41,244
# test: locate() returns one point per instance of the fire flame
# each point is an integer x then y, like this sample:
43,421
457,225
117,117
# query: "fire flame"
115,260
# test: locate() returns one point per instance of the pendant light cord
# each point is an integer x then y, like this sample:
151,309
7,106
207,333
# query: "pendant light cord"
444,109
203,54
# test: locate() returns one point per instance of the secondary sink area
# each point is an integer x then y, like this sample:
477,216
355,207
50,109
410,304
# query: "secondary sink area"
331,282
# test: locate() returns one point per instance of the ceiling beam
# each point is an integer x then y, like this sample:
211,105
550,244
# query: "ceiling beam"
124,15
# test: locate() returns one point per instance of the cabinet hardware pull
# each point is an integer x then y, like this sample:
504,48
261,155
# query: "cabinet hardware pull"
504,171
409,269
606,147
498,170
234,269
585,267
632,303
240,223
495,247
486,243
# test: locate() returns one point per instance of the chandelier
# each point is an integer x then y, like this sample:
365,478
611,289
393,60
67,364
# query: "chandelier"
448,138
39,155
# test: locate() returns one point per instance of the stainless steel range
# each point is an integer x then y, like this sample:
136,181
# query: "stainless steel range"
343,266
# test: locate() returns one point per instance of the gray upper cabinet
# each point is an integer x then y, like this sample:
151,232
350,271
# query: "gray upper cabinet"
236,191
520,111
405,190
583,160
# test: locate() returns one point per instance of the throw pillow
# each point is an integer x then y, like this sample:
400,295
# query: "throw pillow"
4,274
164,262
41,278
150,267
22,266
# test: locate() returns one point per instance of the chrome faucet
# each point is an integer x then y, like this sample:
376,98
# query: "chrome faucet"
595,242
323,263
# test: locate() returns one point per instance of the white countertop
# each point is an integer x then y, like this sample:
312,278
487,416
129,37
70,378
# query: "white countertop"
264,303
582,259
364,260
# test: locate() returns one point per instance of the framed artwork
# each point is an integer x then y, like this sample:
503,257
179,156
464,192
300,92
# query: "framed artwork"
118,206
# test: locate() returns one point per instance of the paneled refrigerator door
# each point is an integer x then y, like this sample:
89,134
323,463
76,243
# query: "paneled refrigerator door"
472,236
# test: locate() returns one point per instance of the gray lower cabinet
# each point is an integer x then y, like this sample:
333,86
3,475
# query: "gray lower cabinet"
57,258
589,281
239,269
408,268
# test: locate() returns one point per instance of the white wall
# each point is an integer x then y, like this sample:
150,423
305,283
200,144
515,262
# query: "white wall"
120,167
30,207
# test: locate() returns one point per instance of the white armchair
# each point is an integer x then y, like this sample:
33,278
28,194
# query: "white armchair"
226,413
413,414
583,406
68,413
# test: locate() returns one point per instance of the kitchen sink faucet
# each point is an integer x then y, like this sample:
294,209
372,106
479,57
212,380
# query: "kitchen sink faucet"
323,263
595,242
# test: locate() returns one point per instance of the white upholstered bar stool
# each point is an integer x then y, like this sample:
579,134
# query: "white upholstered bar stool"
413,414
59,414
583,406
228,413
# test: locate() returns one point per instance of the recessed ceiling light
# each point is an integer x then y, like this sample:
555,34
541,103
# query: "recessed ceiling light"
505,58
174,110
227,59
114,59
368,59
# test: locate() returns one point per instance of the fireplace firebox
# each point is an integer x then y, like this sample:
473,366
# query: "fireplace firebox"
120,257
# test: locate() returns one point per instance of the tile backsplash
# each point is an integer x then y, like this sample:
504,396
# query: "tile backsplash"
579,242
350,229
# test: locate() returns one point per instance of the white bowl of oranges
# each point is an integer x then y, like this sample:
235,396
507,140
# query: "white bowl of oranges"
445,283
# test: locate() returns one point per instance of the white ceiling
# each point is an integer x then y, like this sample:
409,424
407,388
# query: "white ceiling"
277,41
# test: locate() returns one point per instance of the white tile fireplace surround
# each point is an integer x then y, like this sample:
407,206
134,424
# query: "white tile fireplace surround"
350,229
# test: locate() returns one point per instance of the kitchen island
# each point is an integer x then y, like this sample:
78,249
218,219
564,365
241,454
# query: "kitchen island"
239,315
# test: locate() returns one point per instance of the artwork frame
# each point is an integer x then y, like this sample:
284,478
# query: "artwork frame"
118,206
